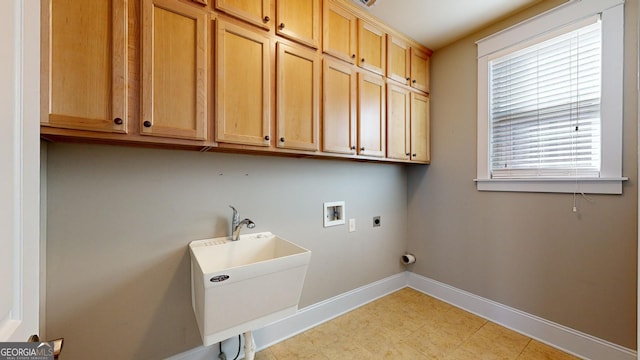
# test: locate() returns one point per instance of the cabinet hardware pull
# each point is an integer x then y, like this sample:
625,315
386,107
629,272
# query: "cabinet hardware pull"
362,59
414,81
281,26
414,155
408,154
408,78
147,123
118,121
267,137
353,148
266,19
353,56
282,139
362,148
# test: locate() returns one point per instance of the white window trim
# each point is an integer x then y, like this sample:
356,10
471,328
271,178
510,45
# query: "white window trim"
610,181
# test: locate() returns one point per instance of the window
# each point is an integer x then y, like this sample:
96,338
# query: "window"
550,102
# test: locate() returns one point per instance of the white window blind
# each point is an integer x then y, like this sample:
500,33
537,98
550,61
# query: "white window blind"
544,108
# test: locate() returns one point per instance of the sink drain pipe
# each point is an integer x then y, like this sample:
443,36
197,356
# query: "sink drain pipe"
249,347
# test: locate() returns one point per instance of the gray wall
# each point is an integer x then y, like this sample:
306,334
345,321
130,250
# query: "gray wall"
119,220
524,250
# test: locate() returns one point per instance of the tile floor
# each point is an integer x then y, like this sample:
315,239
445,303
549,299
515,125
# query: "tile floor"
410,325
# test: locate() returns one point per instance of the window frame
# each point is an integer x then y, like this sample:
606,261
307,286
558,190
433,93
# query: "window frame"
612,17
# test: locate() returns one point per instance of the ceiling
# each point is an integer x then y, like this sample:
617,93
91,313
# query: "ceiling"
435,23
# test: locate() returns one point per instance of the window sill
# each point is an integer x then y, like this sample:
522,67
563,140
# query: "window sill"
554,185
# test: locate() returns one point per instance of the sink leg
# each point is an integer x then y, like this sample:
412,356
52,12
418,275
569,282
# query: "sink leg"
249,348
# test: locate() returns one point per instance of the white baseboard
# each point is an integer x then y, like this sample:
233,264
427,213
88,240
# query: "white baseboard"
561,337
566,339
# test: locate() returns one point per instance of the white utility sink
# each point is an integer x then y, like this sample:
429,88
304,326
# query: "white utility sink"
239,286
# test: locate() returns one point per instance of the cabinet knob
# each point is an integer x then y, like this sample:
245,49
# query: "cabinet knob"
147,124
118,121
267,137
281,26
408,154
362,148
353,148
282,139
266,19
413,81
362,60
414,155
353,56
408,78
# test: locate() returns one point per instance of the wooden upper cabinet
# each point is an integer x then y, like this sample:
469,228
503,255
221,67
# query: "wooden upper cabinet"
84,65
398,122
298,97
242,78
398,60
299,20
372,52
420,133
371,115
339,107
256,12
339,28
174,70
419,70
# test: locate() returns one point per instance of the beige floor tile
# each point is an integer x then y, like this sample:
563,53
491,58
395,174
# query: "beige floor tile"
492,342
410,325
265,354
536,350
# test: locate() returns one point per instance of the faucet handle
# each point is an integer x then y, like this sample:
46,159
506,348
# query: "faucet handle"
235,214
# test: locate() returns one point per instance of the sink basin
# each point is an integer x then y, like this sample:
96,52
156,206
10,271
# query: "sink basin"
238,286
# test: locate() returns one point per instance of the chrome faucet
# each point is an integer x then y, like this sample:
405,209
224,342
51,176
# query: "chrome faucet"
236,224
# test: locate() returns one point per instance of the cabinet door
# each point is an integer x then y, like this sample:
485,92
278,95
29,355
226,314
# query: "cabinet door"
371,115
84,64
398,110
339,32
299,20
398,56
371,47
339,107
419,70
242,86
255,12
298,96
420,141
174,70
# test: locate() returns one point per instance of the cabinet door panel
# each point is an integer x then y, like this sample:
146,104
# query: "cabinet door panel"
85,57
420,134
419,70
339,27
255,12
299,20
398,57
371,47
371,115
339,107
242,86
298,96
398,105
174,70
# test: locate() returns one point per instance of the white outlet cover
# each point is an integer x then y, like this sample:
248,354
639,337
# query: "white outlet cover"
334,213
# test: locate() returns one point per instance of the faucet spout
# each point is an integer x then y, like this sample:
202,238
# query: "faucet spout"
236,225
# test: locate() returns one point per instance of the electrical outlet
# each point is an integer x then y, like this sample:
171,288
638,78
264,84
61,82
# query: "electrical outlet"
352,225
376,221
